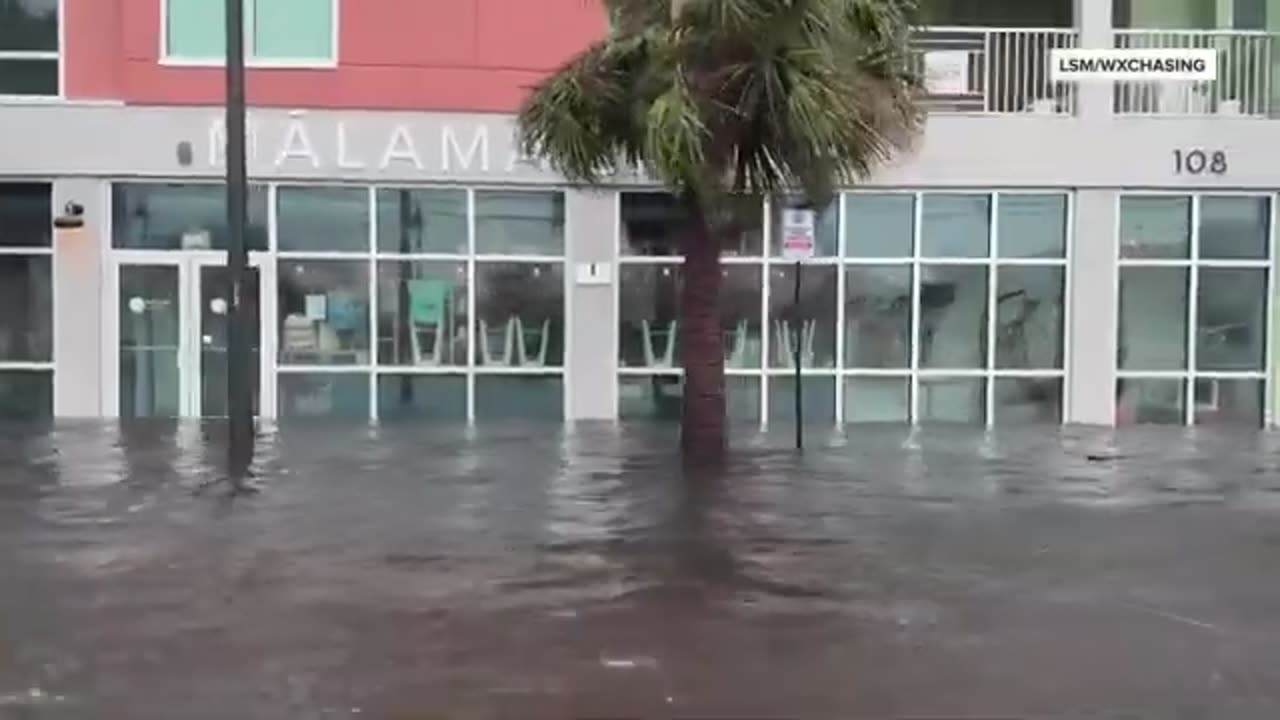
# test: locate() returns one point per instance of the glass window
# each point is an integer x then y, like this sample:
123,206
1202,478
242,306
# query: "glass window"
956,225
275,29
292,29
1231,309
1027,401
1155,227
422,221
422,313
880,224
659,397
343,396
652,223
519,223
148,216
520,314
1229,402
1032,226
1234,227
877,316
648,311
26,395
515,397
811,323
817,398
1151,401
26,214
740,288
953,316
324,312
422,397
649,316
28,25
28,32
1153,318
28,77
877,400
316,219
957,400
1029,309
826,226
26,308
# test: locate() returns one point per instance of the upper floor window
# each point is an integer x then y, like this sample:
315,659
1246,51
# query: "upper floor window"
286,32
29,47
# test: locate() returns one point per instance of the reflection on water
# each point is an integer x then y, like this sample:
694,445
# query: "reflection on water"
425,572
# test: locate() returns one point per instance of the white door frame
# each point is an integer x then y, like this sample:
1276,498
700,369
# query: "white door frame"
188,264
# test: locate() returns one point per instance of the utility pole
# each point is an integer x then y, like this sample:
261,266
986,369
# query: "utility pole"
240,431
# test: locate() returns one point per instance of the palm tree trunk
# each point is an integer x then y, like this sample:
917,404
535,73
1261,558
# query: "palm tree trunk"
702,430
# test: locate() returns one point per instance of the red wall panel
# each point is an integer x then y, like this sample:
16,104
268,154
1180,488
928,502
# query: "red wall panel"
478,55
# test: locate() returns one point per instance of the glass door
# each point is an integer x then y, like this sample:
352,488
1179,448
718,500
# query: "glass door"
172,324
213,294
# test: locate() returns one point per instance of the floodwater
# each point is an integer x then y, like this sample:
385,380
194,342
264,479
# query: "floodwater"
426,573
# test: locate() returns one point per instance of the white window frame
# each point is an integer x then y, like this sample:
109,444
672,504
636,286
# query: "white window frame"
56,55
1189,375
372,255
913,373
40,366
251,60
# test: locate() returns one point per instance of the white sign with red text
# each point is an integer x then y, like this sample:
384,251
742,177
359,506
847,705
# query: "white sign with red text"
797,234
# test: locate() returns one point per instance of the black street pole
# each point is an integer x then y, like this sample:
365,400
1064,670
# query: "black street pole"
239,393
799,336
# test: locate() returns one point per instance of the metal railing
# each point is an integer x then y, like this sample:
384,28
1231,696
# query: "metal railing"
993,70
1246,83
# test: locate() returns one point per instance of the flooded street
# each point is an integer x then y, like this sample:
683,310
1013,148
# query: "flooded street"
430,573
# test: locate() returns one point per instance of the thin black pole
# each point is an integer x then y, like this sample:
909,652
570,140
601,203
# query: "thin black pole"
239,393
799,336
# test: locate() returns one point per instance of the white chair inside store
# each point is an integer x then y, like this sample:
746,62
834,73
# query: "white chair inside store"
737,346
785,342
667,359
419,335
540,341
508,334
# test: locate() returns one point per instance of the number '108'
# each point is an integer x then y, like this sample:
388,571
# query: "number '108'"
1198,162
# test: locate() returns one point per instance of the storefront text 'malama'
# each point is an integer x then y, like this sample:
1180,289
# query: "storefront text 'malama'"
356,147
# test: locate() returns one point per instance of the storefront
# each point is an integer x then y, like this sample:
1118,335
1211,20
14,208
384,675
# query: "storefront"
416,266
368,298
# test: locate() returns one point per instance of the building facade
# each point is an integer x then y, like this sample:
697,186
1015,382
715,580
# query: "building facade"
1090,254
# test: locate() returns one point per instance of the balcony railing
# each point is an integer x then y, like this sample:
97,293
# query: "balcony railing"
1246,83
993,70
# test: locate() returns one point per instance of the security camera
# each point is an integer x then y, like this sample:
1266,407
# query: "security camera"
72,217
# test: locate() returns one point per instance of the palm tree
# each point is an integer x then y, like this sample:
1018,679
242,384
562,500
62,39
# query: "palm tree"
726,101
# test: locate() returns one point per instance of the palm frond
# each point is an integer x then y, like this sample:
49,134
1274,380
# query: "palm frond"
736,97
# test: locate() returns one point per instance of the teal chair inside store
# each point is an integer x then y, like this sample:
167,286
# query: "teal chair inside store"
428,314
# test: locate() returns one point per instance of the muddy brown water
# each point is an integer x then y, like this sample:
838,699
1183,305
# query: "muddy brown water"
431,573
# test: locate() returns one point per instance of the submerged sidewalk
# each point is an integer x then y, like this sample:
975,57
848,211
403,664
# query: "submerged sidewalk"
425,573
